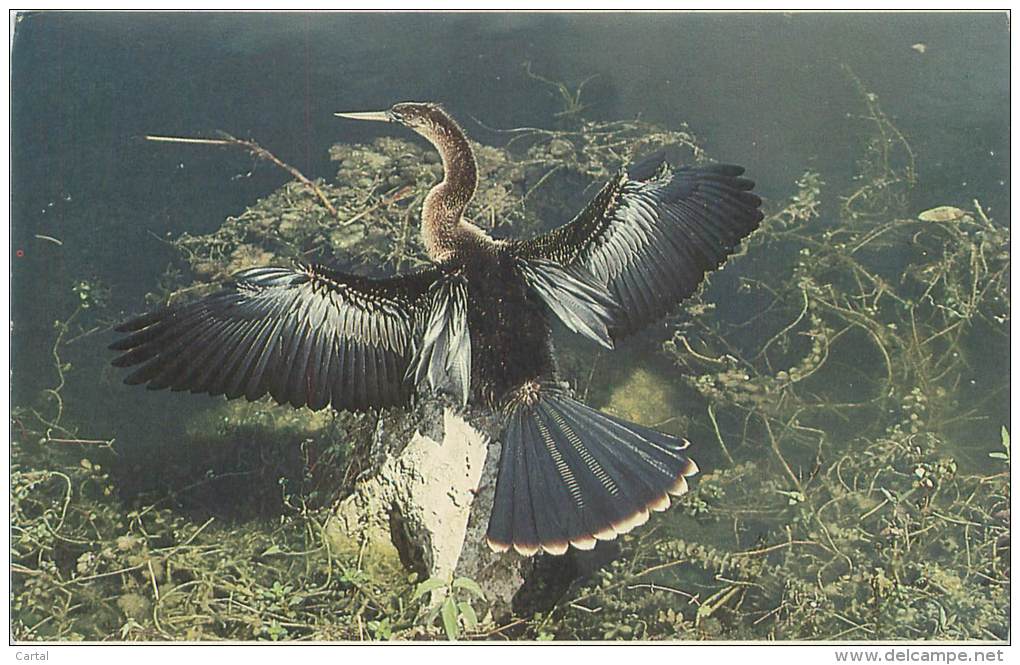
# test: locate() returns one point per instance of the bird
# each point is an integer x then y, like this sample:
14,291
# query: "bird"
475,325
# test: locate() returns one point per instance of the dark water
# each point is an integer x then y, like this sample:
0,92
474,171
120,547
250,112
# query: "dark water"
765,90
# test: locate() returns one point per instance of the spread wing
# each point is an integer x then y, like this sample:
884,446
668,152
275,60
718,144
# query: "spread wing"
651,235
308,336
444,361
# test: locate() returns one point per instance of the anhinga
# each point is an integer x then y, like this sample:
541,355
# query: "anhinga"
476,324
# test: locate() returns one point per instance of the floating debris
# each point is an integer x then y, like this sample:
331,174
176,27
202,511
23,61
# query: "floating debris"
942,214
40,236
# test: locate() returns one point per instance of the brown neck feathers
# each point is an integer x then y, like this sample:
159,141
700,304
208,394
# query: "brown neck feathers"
443,229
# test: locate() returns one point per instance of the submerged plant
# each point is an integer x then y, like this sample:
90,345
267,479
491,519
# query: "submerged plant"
844,502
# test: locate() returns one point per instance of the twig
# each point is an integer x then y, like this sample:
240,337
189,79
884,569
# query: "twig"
772,548
779,454
540,182
40,236
385,201
571,100
718,435
500,629
791,326
105,443
192,537
152,578
256,150
185,139
704,358
691,598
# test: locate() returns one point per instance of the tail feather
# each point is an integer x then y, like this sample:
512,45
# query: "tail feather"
650,456
638,487
597,479
522,509
501,525
560,479
570,475
551,526
641,460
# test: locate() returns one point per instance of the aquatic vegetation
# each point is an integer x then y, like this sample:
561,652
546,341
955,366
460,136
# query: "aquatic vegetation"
88,567
855,455
839,507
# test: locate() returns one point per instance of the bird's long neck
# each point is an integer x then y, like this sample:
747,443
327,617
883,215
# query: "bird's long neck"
443,227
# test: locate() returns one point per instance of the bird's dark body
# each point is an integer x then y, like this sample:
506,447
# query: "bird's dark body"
476,325
510,340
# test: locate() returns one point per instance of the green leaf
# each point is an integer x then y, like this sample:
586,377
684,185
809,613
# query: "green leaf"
431,584
1005,437
998,455
468,612
469,585
450,618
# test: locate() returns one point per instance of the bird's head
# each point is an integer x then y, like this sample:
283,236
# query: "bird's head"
426,118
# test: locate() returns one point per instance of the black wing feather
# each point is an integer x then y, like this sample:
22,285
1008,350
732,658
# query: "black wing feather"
309,336
652,234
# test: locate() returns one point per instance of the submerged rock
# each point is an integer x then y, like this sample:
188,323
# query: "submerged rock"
643,397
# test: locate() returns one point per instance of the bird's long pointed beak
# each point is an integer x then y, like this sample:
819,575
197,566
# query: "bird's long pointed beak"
378,116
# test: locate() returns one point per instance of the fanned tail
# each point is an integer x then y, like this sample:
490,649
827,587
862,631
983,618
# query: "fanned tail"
571,475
